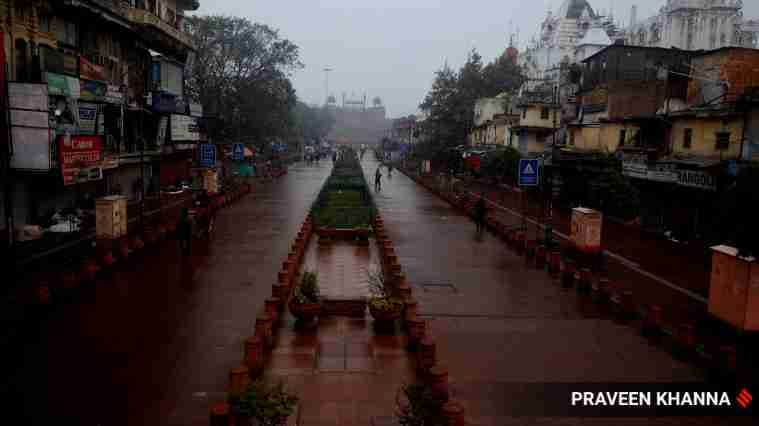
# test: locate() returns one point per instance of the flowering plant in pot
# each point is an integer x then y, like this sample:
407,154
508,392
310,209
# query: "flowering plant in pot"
305,304
382,305
268,405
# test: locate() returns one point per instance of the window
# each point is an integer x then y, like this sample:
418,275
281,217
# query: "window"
22,62
45,23
544,114
723,140
687,138
66,33
622,137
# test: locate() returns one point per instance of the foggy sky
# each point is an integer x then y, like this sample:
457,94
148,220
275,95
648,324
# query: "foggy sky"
391,48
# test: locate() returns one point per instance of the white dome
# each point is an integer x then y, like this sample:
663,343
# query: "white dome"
595,36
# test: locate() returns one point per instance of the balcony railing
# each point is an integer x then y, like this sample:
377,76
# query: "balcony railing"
144,17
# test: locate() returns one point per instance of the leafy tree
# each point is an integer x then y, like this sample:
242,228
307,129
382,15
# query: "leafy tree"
241,75
450,101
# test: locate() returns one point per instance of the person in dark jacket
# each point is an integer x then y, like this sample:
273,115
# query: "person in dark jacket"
480,213
184,232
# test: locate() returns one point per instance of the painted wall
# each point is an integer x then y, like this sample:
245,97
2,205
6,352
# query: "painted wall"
486,108
600,138
738,67
531,116
704,139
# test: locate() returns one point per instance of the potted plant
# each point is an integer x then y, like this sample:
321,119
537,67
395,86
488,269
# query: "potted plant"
382,305
418,406
270,406
305,305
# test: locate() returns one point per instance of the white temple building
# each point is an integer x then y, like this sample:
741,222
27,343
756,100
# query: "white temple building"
574,24
694,25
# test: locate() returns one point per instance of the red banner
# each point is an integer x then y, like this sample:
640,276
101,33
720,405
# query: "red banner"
76,153
90,71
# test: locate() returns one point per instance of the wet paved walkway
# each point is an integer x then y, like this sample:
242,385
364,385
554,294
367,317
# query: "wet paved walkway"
154,344
499,323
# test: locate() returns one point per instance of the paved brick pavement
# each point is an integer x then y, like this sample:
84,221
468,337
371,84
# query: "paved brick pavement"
499,323
153,344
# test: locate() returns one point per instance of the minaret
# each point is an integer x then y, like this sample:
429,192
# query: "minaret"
633,16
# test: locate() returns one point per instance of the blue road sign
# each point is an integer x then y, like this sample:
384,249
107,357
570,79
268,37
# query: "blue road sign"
238,152
207,155
529,172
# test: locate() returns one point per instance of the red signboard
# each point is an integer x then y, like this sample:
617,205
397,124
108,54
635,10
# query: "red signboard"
77,153
90,71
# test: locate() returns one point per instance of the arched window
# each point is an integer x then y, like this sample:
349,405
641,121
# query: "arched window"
22,60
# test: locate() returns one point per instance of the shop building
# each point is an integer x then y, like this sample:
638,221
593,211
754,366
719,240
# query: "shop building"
93,89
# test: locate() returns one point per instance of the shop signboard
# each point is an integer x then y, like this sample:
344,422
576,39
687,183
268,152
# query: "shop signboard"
93,90
184,128
59,62
61,85
634,169
114,95
30,126
88,113
196,110
79,156
90,71
697,179
167,103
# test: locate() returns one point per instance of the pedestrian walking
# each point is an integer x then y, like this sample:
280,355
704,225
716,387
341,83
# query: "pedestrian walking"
184,232
378,180
480,213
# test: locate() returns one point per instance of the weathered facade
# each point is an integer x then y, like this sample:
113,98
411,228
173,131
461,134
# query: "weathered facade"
105,82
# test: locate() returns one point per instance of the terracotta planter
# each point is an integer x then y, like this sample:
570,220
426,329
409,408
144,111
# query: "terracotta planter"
271,305
124,250
540,257
283,277
89,270
454,413
417,329
254,354
404,292
108,259
264,330
554,265
162,231
137,244
568,273
438,381
519,241
219,414
305,312
653,321
426,357
43,295
239,379
280,292
70,280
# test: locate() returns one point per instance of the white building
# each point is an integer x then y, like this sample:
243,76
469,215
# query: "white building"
561,34
694,25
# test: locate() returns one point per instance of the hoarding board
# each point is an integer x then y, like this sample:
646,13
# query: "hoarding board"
31,148
88,114
79,152
184,128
